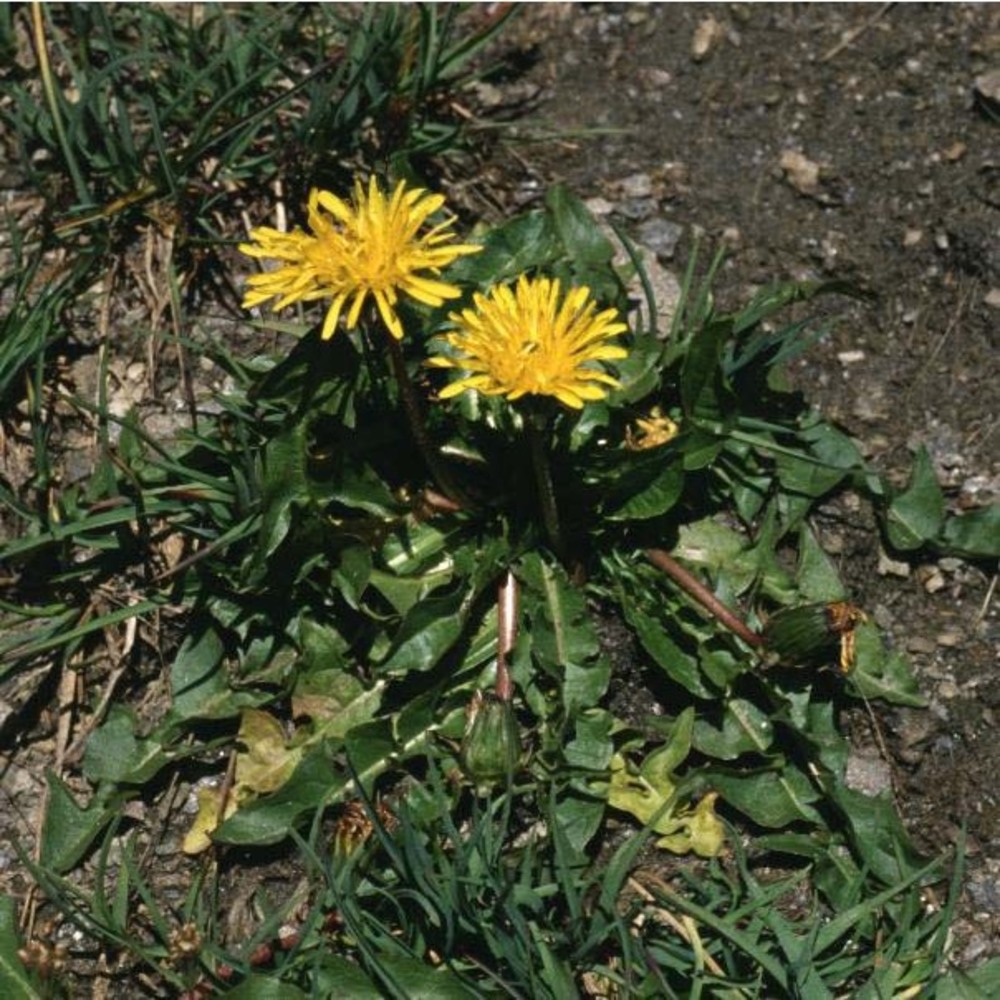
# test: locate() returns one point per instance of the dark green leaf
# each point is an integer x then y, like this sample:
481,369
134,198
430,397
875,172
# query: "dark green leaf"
577,228
431,627
197,682
352,573
417,980
591,747
974,534
916,515
648,491
15,983
744,729
883,673
771,798
115,754
981,983
338,977
561,630
284,482
877,834
702,383
70,830
268,820
678,665
258,987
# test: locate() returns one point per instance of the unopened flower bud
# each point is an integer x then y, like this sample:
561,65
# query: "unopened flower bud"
813,633
491,746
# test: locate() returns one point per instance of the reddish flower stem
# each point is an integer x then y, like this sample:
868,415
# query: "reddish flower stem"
691,585
508,594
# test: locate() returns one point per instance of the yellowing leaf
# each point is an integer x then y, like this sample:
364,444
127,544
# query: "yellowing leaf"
267,762
199,837
682,829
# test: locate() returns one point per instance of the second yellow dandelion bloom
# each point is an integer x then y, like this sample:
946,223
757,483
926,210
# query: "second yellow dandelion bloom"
533,340
371,248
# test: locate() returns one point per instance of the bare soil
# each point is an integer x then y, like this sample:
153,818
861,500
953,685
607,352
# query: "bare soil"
845,142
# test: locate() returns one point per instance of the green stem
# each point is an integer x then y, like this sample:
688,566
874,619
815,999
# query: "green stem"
418,428
536,423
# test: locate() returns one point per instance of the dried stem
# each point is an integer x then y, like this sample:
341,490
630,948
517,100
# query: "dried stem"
691,585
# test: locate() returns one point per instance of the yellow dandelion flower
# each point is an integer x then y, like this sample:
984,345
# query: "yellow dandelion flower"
372,247
530,340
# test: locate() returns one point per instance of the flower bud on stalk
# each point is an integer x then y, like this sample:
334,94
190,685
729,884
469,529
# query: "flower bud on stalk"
811,633
491,746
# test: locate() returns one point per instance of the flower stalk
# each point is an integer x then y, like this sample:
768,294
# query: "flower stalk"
508,600
692,586
418,426
535,425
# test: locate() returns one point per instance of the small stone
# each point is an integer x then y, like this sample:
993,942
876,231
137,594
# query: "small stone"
732,237
887,566
941,241
868,773
636,186
912,237
935,582
599,206
947,690
801,172
987,87
992,298
917,644
850,357
949,639
637,209
706,36
955,151
661,236
655,78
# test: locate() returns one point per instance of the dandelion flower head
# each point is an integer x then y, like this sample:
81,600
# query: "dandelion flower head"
532,340
372,247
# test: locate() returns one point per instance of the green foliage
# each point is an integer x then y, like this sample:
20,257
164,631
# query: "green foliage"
339,619
14,980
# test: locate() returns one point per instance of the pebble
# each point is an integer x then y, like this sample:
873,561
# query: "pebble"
599,206
992,298
850,357
655,78
868,773
949,639
801,172
661,236
918,644
947,690
706,36
636,186
987,87
637,209
887,566
912,237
